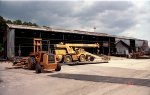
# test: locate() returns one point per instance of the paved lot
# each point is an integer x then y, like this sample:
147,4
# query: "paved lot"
118,77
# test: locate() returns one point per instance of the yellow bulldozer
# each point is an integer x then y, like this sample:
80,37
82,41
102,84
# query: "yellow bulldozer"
73,52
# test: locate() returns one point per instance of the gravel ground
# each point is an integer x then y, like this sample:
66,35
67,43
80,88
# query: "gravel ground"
120,76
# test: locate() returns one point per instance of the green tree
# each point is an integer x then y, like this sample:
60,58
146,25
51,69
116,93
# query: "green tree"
2,29
25,23
9,21
2,24
18,22
34,24
29,23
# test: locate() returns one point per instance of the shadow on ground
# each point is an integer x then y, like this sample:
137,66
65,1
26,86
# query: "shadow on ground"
143,57
107,79
81,63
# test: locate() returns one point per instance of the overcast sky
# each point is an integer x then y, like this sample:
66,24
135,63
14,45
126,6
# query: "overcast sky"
125,18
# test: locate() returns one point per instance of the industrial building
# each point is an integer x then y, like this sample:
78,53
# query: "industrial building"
19,39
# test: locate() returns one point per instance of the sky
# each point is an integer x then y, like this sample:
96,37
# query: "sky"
129,18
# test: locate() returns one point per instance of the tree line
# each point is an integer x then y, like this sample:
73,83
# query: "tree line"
16,22
3,25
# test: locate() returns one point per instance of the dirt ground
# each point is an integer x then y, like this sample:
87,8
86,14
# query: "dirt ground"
120,76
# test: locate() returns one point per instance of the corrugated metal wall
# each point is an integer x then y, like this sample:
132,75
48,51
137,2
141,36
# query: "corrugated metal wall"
10,43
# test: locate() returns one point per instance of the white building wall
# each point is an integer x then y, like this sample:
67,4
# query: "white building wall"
121,49
124,40
10,43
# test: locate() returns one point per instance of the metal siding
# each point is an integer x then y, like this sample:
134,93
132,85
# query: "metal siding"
120,48
10,43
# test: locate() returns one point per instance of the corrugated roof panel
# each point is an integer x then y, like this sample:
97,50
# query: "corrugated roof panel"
26,27
66,31
56,30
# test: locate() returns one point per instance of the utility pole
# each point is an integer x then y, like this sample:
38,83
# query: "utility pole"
94,28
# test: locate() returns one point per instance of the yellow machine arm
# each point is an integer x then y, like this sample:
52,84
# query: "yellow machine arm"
76,45
70,47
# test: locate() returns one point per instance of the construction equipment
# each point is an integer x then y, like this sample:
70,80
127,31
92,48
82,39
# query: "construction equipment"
136,55
74,52
38,59
42,60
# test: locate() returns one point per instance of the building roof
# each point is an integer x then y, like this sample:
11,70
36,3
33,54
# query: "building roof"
56,30
127,38
49,29
26,27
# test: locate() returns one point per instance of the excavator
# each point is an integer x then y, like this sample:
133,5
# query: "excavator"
69,52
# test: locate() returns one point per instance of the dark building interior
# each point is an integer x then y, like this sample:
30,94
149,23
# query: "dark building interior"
24,40
1,43
132,45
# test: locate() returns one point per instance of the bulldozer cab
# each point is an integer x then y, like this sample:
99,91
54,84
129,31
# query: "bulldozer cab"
46,61
79,50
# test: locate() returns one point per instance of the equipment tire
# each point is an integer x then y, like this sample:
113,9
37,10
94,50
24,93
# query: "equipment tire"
82,58
90,58
58,67
38,68
67,59
31,63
